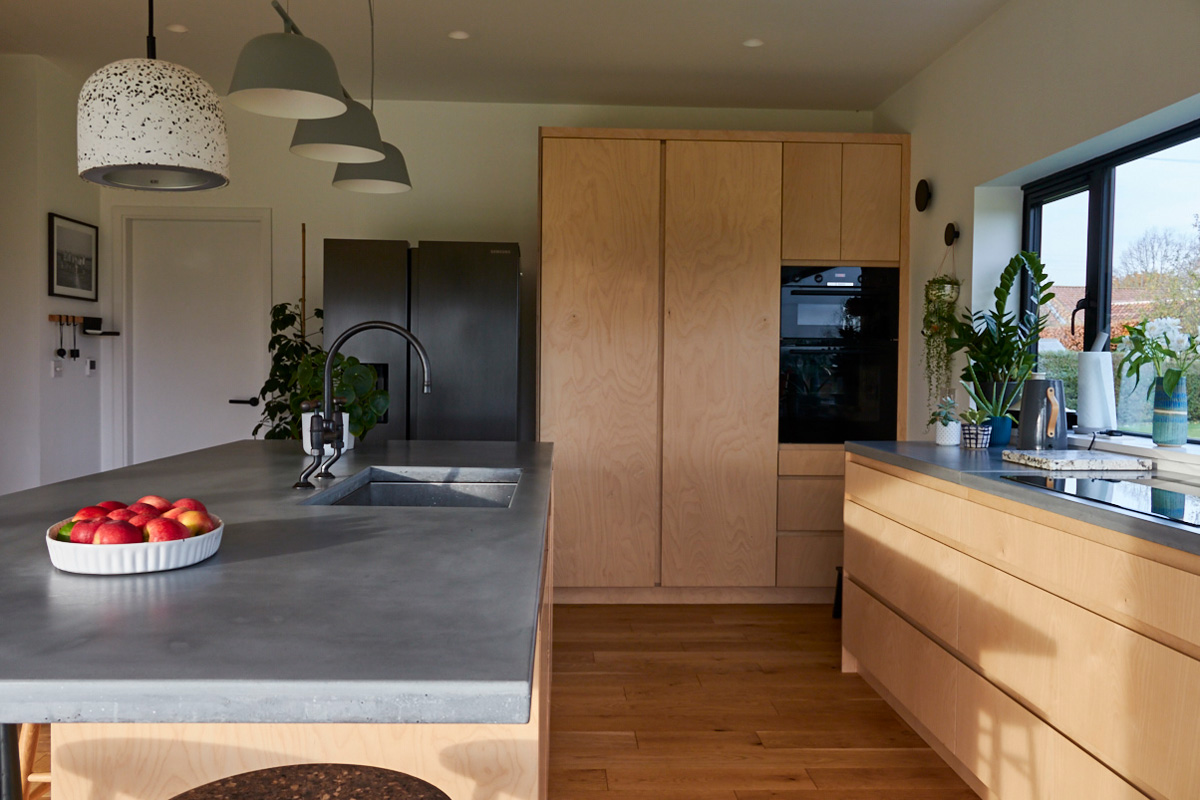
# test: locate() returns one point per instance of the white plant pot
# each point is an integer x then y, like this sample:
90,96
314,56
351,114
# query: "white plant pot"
347,437
947,435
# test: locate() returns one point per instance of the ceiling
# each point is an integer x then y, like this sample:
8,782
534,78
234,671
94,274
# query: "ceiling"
817,54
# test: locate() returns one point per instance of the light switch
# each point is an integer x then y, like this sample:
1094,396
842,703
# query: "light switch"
56,367
89,366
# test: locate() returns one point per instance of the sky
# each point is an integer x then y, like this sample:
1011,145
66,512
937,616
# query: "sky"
1158,191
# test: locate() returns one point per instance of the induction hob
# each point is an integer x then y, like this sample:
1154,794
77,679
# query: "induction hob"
1173,501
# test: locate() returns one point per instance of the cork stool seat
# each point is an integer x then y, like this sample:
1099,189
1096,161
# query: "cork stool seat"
317,782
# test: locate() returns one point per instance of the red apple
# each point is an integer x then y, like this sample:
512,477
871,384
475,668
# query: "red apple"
197,522
173,513
141,520
161,503
117,532
122,514
89,512
144,508
161,529
191,505
111,505
83,531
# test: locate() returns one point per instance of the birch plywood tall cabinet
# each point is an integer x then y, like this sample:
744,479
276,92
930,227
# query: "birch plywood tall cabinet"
720,363
661,255
599,401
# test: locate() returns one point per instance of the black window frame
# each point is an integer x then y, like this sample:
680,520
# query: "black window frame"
1096,176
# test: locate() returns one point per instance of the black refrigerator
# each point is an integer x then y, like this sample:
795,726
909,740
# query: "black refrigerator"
463,300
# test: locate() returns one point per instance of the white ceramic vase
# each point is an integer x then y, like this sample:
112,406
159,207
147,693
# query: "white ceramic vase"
947,435
347,437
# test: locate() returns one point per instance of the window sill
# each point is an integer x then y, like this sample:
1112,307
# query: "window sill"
1182,463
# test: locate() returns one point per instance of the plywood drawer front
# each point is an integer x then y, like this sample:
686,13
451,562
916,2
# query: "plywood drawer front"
812,461
808,559
913,504
916,574
1020,757
1164,598
921,675
811,504
1127,699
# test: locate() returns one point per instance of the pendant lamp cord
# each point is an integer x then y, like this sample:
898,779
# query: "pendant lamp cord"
371,12
151,50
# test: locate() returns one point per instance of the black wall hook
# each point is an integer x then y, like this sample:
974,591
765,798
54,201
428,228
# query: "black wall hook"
952,233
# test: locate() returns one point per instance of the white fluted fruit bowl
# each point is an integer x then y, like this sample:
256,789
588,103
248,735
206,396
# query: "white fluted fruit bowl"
130,559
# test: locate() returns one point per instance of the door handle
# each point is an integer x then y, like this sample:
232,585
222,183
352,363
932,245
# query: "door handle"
252,401
1079,306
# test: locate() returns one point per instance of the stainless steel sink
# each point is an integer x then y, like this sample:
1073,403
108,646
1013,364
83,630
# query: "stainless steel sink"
446,487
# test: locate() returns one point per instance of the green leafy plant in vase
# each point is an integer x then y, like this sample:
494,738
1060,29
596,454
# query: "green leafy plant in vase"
297,374
999,344
937,328
1162,344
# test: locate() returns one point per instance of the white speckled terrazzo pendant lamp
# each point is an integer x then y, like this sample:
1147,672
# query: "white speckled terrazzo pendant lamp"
151,125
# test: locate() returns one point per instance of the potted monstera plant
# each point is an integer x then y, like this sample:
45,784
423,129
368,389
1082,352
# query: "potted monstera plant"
1000,343
297,376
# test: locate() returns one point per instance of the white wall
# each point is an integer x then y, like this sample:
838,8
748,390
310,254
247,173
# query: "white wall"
1040,85
69,406
474,169
51,427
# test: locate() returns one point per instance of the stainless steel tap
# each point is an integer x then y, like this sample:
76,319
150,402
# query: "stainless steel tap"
326,426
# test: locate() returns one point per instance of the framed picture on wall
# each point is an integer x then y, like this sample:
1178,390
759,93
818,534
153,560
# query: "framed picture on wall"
72,258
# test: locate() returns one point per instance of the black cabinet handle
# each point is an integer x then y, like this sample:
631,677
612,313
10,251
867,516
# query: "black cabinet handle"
253,401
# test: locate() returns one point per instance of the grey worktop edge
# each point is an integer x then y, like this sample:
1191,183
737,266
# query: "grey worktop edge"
983,470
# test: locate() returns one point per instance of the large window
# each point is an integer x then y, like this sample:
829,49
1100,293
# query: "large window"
1120,237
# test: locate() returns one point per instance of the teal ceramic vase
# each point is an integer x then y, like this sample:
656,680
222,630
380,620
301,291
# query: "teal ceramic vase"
1170,414
1001,431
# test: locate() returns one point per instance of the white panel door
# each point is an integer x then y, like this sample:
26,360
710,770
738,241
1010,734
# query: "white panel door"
199,305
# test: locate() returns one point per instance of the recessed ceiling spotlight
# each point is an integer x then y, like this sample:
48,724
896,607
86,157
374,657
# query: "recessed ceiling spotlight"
459,35
753,43
175,27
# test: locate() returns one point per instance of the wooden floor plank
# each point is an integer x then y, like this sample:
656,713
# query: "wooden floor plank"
724,703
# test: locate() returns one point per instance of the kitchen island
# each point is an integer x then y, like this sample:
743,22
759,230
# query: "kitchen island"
410,638
1045,646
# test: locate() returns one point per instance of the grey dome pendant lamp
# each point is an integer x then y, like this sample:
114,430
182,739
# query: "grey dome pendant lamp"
287,75
352,138
388,176
152,125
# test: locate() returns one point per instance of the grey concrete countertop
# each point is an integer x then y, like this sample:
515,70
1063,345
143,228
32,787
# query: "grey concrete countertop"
306,614
985,470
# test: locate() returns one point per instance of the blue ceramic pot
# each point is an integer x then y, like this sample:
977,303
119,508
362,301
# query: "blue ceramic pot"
1001,431
1170,414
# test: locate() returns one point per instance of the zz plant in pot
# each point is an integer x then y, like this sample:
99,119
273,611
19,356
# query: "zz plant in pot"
999,343
297,372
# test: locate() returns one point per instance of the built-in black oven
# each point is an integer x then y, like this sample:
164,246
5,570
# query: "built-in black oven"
837,353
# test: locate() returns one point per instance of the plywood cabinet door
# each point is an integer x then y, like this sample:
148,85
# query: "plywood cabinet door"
720,362
812,201
601,305
842,202
871,202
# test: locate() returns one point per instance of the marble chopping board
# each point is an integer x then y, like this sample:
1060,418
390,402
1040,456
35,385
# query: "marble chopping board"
1078,460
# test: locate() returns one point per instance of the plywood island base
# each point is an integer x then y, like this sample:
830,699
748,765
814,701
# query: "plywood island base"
156,761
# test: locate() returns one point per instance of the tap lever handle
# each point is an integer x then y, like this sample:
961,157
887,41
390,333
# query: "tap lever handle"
339,402
309,405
